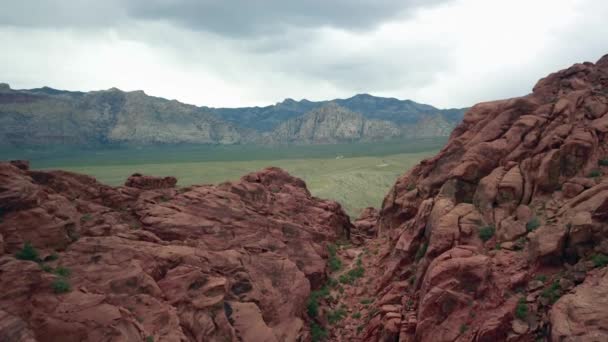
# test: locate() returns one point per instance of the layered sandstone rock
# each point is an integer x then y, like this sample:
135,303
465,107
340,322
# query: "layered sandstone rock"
234,262
506,219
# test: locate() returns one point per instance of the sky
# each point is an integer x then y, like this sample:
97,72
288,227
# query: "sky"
234,53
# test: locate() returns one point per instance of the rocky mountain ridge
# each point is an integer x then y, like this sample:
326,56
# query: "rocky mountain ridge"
47,116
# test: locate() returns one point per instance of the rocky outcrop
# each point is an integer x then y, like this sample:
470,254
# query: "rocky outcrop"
505,220
331,124
81,261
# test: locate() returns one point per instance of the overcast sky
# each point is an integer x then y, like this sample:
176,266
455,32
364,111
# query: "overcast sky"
448,53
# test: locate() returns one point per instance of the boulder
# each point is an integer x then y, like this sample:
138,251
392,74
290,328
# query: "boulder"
583,314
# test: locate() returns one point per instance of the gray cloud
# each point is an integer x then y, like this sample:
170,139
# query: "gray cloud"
233,18
449,53
268,17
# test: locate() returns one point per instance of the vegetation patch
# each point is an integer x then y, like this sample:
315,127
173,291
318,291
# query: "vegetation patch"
356,315
336,316
366,301
486,233
312,305
317,332
28,252
61,285
594,174
603,162
464,328
334,262
599,260
521,310
352,275
62,271
533,224
552,293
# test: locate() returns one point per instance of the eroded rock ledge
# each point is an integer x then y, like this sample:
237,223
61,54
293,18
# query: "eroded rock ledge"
148,261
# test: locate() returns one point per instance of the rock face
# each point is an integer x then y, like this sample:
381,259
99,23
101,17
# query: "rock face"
518,194
81,261
45,116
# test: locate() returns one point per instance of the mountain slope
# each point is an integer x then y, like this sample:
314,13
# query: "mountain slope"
370,107
46,116
503,235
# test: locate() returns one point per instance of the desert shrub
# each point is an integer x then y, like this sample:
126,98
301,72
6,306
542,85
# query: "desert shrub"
356,315
533,224
87,217
61,285
599,260
603,162
312,305
28,252
421,251
594,174
317,332
521,310
334,262
486,233
552,292
62,271
464,328
336,316
150,339
541,277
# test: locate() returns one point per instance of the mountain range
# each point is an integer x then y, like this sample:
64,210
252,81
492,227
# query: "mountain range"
47,116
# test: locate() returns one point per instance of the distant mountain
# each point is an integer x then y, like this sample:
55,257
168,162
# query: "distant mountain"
47,116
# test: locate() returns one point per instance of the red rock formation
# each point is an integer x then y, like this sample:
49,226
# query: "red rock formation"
234,262
519,190
140,181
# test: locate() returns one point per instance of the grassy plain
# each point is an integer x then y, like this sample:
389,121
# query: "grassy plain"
356,175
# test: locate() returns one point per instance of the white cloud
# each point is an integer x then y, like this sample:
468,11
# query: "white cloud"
450,55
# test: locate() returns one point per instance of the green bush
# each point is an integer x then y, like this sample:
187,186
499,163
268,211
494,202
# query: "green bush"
61,285
599,260
603,162
334,262
541,277
366,301
150,339
87,217
317,333
464,328
356,315
62,271
28,252
533,224
421,251
521,310
594,174
312,305
486,233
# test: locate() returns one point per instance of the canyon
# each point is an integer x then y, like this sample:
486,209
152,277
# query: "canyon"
501,236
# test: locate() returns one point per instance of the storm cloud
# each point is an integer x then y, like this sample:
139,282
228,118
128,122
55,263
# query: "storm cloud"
448,53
